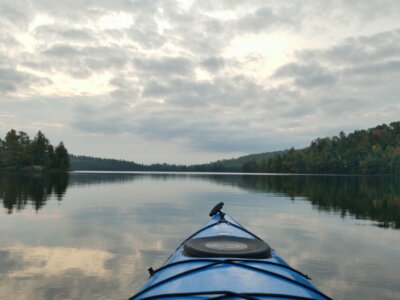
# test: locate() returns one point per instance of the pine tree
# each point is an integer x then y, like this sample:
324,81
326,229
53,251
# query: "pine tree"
1,153
61,157
11,149
39,149
52,157
25,149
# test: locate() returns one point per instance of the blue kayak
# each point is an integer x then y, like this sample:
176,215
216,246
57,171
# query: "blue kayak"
223,260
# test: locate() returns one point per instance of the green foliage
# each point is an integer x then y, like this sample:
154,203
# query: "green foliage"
250,166
372,151
19,190
39,147
18,151
79,162
89,163
61,157
101,164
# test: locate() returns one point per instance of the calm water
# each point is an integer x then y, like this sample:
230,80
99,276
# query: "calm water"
93,236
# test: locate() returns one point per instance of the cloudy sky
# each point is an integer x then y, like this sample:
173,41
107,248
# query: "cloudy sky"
194,81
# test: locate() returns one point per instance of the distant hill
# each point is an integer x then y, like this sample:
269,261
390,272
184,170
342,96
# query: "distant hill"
236,164
89,163
80,162
374,151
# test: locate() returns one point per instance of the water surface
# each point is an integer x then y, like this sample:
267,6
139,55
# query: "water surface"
93,235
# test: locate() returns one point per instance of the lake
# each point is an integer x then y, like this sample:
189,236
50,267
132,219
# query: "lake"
93,235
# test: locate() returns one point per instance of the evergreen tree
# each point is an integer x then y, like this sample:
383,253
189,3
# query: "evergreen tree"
52,157
250,166
39,149
25,150
372,151
11,149
61,157
1,153
18,151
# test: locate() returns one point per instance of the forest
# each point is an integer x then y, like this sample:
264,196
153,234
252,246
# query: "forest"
372,151
19,152
89,163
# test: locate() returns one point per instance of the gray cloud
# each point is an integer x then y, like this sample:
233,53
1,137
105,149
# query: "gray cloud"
165,66
213,64
358,50
148,39
160,70
197,114
12,80
57,32
79,61
354,74
306,75
15,14
264,18
223,90
61,51
387,68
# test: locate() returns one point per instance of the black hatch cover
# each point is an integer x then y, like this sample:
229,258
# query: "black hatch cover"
226,246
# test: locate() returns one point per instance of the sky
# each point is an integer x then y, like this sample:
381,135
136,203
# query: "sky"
196,81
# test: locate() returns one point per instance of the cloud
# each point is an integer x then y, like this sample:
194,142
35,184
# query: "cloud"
213,64
358,50
164,66
306,75
367,57
55,32
15,15
79,62
351,76
184,73
263,18
387,68
53,261
12,80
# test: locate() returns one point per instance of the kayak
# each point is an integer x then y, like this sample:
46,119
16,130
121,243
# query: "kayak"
223,260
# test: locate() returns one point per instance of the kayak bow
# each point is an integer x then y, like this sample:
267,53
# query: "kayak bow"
223,260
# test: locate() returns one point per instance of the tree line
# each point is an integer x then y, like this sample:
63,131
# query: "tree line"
19,152
89,163
372,151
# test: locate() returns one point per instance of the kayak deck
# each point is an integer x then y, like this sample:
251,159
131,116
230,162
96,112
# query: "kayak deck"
188,277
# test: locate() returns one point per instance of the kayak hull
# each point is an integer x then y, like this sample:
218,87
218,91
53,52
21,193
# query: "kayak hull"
183,276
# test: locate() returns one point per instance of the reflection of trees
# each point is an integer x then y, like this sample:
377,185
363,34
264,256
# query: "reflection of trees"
78,179
107,178
18,190
373,198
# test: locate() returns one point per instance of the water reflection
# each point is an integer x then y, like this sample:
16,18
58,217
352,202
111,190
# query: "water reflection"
371,198
17,190
109,228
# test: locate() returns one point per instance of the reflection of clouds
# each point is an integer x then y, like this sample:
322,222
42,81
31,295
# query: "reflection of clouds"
29,214
79,273
47,261
120,230
345,260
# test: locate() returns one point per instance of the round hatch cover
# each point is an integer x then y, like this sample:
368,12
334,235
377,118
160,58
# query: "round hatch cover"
226,246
